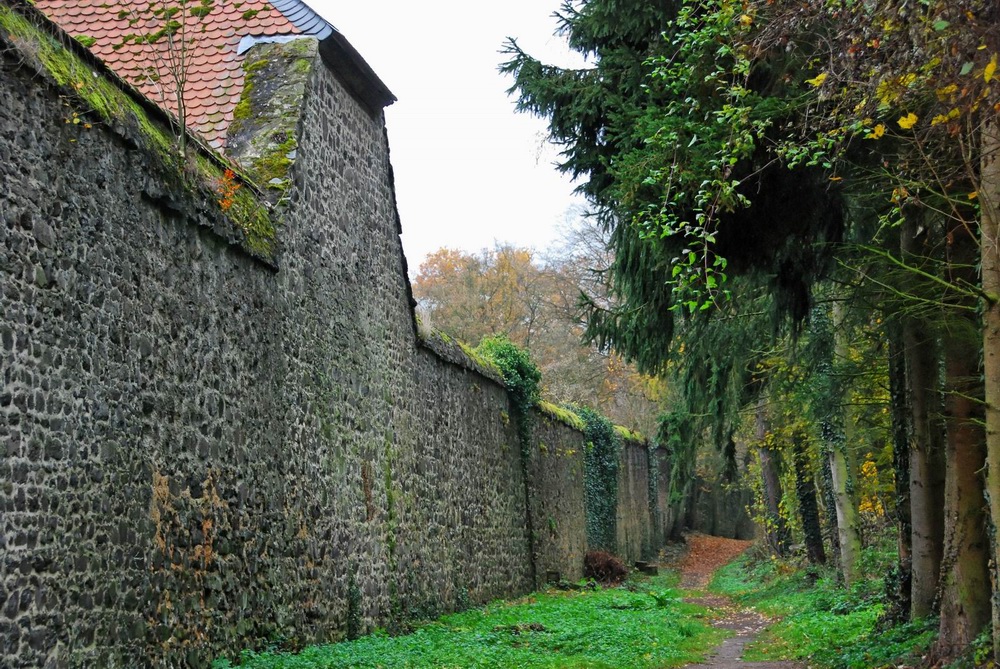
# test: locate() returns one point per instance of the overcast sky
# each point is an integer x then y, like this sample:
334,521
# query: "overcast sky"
469,170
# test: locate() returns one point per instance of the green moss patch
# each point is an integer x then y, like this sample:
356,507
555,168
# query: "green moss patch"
262,136
96,96
562,415
629,435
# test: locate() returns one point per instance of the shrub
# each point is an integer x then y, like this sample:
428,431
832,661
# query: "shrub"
604,568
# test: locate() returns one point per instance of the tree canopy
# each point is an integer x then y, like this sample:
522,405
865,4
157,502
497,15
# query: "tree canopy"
766,163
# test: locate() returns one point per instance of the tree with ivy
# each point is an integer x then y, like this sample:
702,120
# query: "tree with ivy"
912,86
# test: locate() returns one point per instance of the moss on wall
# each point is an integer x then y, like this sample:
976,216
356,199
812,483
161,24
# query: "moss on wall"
562,415
262,136
93,94
630,435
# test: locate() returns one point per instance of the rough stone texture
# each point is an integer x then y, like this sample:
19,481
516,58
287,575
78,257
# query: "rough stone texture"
558,505
633,519
667,514
200,452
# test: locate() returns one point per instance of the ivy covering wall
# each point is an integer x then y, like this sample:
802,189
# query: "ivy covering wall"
601,479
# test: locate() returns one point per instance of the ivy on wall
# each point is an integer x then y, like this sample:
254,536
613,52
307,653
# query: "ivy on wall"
601,462
521,377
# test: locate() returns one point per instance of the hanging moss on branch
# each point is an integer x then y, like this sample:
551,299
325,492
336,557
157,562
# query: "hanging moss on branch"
601,462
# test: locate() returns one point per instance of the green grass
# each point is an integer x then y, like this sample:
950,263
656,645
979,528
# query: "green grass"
646,626
818,620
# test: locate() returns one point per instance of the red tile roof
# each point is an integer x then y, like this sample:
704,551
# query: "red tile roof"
214,69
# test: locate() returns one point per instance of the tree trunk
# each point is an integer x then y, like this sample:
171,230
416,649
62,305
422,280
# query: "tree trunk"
901,431
927,464
847,522
965,581
830,508
775,527
805,491
840,471
989,201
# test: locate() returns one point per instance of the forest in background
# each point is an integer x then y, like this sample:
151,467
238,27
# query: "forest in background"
795,210
532,300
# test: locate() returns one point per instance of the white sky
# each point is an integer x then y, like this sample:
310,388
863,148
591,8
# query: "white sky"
469,170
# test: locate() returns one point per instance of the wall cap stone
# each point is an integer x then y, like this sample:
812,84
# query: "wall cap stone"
458,353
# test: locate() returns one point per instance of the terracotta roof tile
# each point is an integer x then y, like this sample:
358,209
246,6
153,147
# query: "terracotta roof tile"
214,69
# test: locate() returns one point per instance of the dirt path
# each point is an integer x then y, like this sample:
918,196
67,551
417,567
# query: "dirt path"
706,554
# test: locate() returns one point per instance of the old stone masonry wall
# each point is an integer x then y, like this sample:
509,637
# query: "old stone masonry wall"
201,451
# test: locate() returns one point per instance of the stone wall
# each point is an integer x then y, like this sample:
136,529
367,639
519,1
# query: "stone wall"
659,497
634,517
201,450
558,508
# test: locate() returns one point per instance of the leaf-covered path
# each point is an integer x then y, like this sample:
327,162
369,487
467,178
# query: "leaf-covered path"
706,554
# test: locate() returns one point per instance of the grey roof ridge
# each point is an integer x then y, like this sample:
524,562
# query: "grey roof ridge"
338,53
304,18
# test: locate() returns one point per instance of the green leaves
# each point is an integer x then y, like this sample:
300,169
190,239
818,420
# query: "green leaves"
649,628
520,373
600,479
715,127
521,376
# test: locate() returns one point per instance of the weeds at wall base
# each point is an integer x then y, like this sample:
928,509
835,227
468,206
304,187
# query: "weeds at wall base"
643,625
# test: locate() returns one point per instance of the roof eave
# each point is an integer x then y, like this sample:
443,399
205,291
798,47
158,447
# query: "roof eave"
356,73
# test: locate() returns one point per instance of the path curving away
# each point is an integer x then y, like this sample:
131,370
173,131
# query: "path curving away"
704,556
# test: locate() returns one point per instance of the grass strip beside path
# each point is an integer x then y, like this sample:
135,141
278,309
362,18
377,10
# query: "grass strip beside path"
644,625
817,620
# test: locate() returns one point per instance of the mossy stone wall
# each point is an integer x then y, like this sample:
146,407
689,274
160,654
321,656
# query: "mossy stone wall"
555,465
201,451
633,513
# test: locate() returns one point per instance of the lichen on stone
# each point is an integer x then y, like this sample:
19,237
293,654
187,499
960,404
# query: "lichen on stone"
263,134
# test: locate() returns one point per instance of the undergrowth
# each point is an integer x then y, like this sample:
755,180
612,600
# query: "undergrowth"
820,621
643,625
